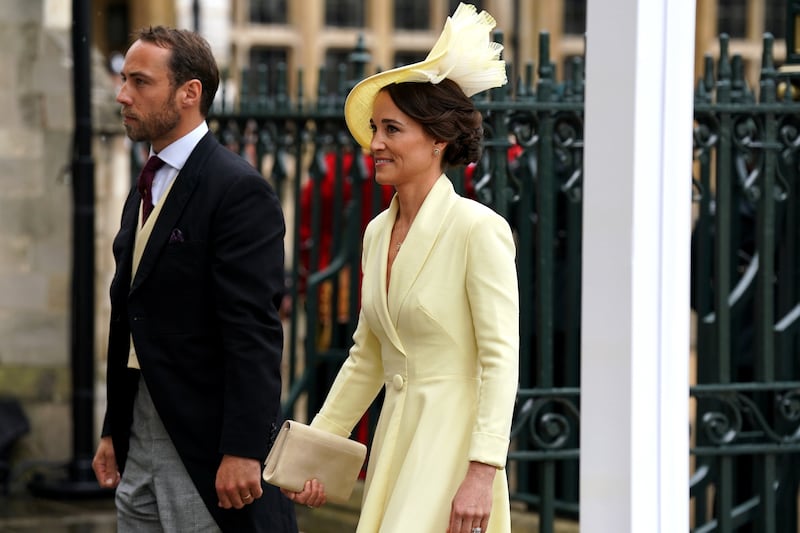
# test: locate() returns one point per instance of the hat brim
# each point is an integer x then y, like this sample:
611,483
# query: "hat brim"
358,105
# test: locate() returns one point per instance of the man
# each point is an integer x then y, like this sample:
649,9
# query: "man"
195,339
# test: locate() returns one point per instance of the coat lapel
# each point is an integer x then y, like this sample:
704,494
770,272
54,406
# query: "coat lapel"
379,248
174,204
418,244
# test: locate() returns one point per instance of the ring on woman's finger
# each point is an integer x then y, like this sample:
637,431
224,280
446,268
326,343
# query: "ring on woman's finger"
476,530
247,497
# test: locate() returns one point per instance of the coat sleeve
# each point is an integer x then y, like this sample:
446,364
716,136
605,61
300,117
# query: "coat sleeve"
491,283
358,381
247,282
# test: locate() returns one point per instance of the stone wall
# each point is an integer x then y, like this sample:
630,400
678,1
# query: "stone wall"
36,128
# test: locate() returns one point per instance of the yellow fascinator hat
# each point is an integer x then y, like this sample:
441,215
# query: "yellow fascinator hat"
464,53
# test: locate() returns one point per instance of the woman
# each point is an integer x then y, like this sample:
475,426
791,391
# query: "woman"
439,319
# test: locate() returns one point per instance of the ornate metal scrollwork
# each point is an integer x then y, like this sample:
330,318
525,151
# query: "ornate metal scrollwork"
723,427
524,125
789,405
706,131
568,143
789,137
550,421
737,418
748,155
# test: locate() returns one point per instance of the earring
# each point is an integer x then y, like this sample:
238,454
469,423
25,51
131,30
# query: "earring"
436,151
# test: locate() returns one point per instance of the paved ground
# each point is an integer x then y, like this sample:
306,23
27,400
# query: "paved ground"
24,513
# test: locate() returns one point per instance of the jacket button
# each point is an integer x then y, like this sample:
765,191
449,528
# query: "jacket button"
398,381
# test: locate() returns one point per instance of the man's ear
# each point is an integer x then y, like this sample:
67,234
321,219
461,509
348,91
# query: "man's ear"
191,92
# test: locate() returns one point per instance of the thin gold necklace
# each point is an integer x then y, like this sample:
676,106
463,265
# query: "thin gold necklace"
400,241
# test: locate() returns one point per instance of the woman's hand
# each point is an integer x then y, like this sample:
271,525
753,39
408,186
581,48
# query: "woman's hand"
312,495
472,503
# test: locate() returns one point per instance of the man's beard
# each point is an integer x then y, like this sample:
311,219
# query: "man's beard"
154,126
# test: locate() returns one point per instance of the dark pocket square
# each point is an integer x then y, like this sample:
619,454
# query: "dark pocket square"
176,236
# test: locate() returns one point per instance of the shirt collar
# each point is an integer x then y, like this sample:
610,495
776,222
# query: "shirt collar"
176,154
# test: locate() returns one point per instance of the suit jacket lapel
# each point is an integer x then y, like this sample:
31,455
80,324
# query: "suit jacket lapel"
419,242
174,203
123,244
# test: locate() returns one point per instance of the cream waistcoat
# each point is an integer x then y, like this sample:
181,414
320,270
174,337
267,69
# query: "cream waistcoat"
142,236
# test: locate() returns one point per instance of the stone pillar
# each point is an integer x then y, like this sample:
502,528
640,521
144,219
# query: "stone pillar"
309,18
36,217
35,209
152,12
380,24
706,37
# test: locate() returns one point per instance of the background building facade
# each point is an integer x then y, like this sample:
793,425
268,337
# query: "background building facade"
311,34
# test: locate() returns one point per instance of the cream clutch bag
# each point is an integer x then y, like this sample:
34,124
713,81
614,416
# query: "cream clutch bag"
301,453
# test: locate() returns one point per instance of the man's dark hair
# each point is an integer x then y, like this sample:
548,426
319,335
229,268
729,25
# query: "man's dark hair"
191,59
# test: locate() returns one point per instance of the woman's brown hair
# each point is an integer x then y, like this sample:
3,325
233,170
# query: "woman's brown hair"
445,113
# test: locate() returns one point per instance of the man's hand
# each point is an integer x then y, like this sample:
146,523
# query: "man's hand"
104,464
238,481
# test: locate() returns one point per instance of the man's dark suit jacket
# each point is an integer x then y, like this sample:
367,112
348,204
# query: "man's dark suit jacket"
203,314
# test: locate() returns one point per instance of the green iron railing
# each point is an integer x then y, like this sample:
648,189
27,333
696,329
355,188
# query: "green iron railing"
746,425
747,299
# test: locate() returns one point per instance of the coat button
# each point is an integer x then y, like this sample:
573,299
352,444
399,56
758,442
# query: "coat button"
398,381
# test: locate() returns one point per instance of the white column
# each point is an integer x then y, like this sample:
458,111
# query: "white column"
637,217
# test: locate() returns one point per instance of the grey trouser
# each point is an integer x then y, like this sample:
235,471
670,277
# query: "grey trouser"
156,493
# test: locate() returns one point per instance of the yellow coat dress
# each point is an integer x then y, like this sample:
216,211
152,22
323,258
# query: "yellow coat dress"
444,342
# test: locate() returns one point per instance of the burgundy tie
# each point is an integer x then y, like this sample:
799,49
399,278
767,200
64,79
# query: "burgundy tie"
145,183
